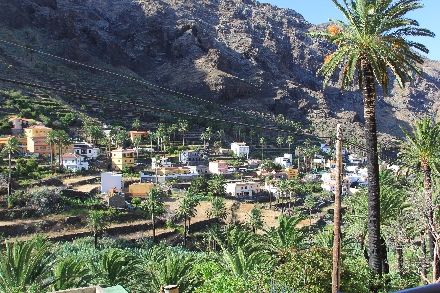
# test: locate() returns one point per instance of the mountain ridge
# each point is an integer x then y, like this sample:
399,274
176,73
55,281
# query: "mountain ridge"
240,53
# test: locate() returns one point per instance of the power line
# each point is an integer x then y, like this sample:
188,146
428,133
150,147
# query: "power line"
135,104
137,80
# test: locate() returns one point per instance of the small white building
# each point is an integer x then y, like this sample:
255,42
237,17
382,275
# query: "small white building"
240,149
74,162
110,180
86,149
326,148
200,169
285,161
161,162
352,169
242,189
332,186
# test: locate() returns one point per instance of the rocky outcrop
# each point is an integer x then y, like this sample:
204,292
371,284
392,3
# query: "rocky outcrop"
226,51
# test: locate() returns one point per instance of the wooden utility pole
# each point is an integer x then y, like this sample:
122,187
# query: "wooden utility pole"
336,273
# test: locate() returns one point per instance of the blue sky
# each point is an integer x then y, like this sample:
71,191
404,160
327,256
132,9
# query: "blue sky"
319,11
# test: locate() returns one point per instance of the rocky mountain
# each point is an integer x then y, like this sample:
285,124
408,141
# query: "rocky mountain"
239,53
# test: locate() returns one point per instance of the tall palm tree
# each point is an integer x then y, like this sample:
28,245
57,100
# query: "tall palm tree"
373,43
136,124
183,126
262,143
216,185
280,141
289,141
51,139
187,209
98,224
136,142
420,150
62,139
154,205
11,148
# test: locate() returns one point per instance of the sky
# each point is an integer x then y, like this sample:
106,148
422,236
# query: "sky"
319,11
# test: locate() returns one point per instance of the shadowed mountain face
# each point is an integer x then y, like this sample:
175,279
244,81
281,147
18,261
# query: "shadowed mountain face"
235,52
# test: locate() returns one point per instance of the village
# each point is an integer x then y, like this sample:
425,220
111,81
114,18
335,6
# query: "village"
244,177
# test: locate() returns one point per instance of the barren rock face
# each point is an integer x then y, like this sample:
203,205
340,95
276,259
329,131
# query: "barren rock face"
227,51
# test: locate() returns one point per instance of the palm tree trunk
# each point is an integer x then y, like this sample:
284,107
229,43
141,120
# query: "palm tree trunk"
427,183
152,220
189,225
95,236
9,177
399,251
374,243
184,232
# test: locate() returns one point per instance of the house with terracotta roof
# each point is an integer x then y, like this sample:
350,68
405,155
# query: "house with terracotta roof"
135,133
122,158
74,162
242,189
218,167
36,139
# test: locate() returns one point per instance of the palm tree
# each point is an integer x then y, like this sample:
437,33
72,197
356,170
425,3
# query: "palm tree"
255,218
61,139
25,266
165,265
262,143
187,209
283,239
98,224
11,148
51,139
420,150
216,186
218,209
393,201
289,141
373,43
71,272
280,141
183,126
154,205
116,267
136,124
136,142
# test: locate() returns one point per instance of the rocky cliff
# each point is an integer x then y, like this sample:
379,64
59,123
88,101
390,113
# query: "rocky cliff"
241,53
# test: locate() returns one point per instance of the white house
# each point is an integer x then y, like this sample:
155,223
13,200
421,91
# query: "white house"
240,149
352,169
110,180
241,189
161,162
86,149
74,162
285,161
332,186
326,148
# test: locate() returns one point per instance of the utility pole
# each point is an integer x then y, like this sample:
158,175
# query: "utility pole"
336,273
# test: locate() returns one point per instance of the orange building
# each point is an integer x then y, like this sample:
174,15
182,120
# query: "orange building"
121,158
23,142
134,134
36,139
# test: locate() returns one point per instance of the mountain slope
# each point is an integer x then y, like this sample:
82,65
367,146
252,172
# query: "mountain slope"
239,53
